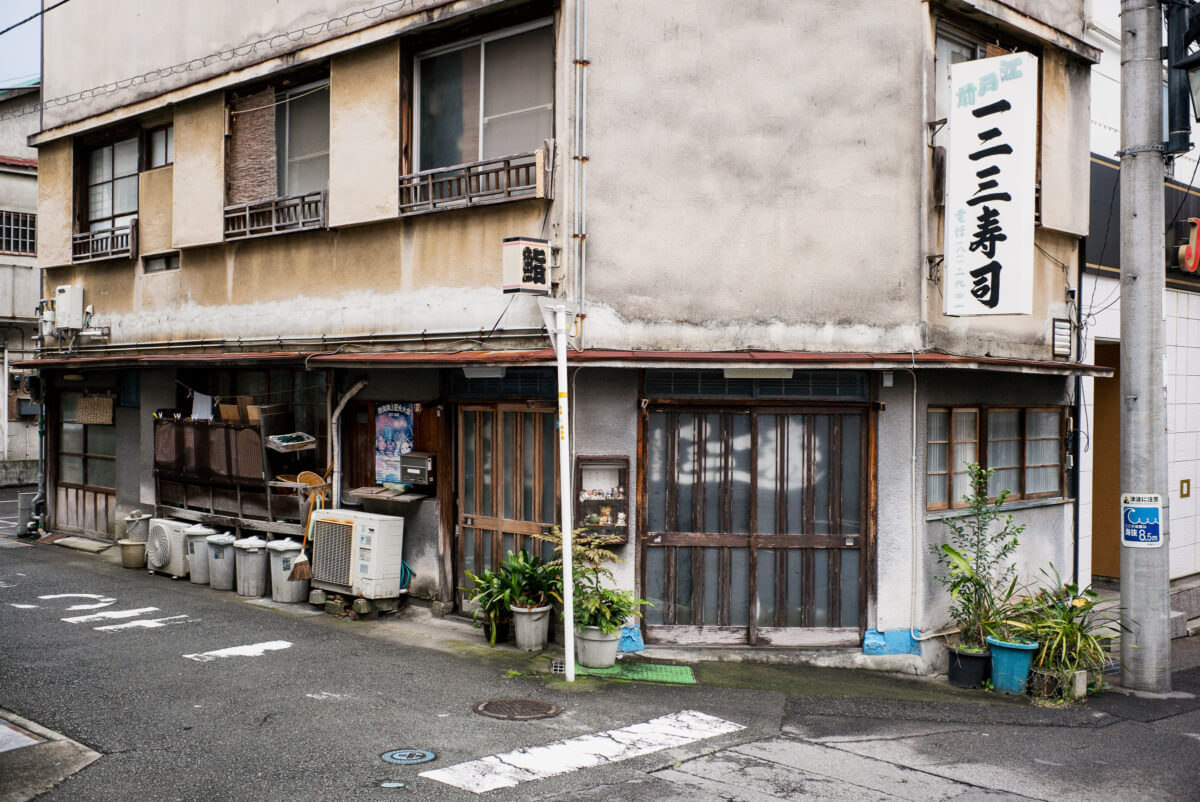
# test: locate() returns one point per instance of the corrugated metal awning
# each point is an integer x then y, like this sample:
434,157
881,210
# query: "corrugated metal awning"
695,360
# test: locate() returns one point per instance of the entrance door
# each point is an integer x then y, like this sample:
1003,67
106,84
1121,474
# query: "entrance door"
1106,466
507,488
755,525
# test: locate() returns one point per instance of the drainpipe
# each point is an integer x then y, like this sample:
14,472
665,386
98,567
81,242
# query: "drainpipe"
580,161
1077,414
39,500
335,436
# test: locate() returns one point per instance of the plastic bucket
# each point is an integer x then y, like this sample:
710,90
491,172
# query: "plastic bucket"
133,553
137,526
221,569
250,559
532,625
283,556
1011,661
197,552
594,649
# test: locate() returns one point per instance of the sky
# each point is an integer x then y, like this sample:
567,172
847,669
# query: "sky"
19,49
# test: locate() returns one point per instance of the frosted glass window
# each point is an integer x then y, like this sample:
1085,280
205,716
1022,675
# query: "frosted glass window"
70,470
739,473
102,440
1004,452
160,147
112,191
739,587
102,473
712,585
302,139
72,438
683,585
765,587
1043,452
937,450
965,435
655,585
485,99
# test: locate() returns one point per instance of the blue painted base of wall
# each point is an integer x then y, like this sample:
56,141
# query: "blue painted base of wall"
897,641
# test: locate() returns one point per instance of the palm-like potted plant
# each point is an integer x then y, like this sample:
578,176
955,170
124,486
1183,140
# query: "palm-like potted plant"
535,585
492,593
980,577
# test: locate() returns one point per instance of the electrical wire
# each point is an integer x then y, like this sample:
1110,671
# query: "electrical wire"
287,99
1187,192
271,42
34,16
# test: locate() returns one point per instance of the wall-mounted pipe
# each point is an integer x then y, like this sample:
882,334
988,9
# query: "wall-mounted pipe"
580,160
335,437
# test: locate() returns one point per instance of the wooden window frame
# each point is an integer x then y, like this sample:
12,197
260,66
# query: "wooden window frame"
983,442
1015,494
148,147
86,455
86,221
166,258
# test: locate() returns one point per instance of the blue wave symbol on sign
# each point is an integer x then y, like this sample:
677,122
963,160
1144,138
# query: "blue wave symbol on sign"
1151,512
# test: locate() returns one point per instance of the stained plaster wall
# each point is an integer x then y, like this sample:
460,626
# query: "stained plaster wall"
604,423
1049,525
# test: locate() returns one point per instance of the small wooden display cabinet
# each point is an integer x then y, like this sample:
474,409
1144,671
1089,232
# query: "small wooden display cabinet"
602,496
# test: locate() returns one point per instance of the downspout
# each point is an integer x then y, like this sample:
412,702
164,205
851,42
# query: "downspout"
580,162
1077,414
39,500
335,437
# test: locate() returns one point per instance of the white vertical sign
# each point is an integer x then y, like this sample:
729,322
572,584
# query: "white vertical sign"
991,166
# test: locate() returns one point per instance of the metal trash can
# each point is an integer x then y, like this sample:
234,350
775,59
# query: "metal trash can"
251,564
137,526
197,552
221,561
25,511
283,555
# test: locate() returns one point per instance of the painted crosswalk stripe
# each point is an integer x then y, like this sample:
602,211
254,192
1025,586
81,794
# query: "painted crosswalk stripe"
537,762
143,623
250,650
107,614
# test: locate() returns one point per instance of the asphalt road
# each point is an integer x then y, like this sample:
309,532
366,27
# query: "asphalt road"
311,721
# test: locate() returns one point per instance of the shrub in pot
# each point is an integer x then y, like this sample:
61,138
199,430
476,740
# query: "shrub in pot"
492,593
600,612
535,585
1072,628
979,575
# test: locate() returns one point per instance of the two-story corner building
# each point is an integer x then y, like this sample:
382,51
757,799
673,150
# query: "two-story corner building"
20,281
292,218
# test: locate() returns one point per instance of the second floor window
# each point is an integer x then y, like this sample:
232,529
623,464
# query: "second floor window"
302,139
18,233
160,147
486,98
112,185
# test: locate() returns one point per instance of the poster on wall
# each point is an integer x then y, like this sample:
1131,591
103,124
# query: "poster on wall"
990,174
393,437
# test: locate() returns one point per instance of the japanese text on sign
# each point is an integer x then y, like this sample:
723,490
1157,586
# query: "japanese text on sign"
990,173
1141,520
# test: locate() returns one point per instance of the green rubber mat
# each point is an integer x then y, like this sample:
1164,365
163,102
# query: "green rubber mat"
642,672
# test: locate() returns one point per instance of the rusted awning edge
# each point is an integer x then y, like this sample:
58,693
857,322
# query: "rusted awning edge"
594,358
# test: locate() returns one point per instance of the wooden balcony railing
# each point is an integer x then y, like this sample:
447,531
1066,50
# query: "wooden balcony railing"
479,183
108,243
275,216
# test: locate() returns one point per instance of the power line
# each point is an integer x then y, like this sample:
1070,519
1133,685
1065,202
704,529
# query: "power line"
267,43
34,16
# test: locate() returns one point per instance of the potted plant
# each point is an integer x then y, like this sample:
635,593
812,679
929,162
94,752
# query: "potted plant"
1072,628
535,584
492,593
600,612
979,576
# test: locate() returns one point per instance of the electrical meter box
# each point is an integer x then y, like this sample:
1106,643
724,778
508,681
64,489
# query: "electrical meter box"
416,467
68,307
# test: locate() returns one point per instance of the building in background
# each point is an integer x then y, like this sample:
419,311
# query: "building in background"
1100,318
297,218
20,281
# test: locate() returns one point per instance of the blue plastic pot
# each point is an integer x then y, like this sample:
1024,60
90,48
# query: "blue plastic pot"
1011,661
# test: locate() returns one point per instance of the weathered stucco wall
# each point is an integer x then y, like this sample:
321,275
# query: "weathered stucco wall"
199,172
16,125
364,135
56,170
737,196
435,273
155,210
18,191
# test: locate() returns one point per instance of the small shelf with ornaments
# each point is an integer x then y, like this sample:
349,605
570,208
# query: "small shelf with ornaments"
602,496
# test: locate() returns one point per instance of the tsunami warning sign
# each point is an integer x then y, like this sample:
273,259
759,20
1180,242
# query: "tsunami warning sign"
1141,520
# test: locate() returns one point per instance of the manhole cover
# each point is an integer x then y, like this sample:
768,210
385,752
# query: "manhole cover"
517,709
408,756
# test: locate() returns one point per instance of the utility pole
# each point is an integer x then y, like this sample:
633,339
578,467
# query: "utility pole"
1145,605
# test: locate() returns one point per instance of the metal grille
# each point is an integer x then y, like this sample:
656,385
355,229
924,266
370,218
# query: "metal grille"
809,385
248,455
218,456
332,544
18,233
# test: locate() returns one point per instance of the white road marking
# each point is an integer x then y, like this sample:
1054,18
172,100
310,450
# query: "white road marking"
101,601
23,606
327,695
84,619
145,623
537,762
12,738
250,650
4,584
5,543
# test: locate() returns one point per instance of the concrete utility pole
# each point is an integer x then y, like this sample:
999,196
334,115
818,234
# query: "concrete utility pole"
1146,643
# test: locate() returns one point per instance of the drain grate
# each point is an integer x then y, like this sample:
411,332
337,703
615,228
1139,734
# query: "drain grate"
407,757
517,709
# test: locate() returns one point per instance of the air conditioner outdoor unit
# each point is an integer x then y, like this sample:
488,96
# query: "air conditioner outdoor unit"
166,547
359,553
